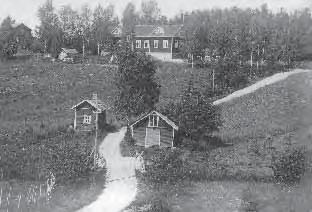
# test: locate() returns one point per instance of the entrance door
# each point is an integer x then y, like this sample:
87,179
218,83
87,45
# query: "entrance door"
152,136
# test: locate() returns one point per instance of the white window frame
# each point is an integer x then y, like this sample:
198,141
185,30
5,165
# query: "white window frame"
86,119
165,44
153,120
138,44
156,43
146,42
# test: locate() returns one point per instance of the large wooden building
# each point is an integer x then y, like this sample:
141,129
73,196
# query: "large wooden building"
153,129
160,41
89,113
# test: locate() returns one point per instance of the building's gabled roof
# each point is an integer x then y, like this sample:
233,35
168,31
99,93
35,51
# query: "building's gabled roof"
157,30
20,25
117,31
165,118
69,51
99,105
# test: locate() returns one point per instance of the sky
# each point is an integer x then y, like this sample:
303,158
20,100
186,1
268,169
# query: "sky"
25,11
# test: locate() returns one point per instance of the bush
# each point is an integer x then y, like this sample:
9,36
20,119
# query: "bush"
33,155
289,166
166,167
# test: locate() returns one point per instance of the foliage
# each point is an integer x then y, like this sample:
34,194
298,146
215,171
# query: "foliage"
289,166
244,42
166,167
196,116
36,154
138,90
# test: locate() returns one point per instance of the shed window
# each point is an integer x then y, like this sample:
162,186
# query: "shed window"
165,44
146,44
153,121
138,43
86,119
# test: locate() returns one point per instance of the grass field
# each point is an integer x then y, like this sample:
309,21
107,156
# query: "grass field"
274,116
35,102
35,94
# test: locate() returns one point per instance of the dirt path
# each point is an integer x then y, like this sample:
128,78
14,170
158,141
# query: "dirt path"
118,194
262,83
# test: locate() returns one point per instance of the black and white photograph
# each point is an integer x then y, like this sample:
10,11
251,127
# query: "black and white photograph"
155,106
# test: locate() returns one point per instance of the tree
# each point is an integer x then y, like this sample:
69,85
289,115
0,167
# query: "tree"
49,30
103,23
68,20
85,26
198,118
129,18
138,90
8,45
150,12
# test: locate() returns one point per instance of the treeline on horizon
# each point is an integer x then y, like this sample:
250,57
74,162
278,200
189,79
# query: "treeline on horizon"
223,39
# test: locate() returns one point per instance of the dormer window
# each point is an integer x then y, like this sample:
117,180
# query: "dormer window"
159,30
153,120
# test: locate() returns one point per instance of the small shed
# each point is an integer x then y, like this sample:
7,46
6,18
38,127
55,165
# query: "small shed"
68,55
90,112
153,129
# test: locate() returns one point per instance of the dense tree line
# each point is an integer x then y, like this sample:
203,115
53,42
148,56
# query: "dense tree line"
242,43
89,29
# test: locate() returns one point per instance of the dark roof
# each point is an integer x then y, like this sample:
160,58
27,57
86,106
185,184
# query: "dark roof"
17,25
70,51
157,30
165,118
100,106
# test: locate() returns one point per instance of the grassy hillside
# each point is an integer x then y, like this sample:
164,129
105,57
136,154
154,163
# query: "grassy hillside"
280,110
45,92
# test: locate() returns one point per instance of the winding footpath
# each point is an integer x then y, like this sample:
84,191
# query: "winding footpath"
260,84
121,185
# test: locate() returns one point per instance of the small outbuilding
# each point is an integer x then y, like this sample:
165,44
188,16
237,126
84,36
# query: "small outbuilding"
68,55
153,129
90,113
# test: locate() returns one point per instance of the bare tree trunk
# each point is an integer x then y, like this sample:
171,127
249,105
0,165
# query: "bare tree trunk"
258,58
98,49
83,49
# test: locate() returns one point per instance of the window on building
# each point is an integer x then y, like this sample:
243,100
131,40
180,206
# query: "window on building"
165,44
138,44
156,44
153,121
176,44
146,44
128,38
86,119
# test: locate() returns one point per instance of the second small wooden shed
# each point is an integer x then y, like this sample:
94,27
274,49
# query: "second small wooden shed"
153,129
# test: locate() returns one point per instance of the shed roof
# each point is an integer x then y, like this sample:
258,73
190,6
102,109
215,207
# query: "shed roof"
163,117
70,51
157,30
99,105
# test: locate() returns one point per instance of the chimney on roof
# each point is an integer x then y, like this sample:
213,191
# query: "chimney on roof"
94,96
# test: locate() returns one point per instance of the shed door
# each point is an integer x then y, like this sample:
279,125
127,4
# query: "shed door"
152,136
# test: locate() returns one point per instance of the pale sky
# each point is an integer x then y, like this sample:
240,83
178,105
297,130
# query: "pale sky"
25,11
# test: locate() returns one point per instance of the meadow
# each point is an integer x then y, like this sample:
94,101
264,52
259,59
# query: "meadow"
35,100
239,177
35,138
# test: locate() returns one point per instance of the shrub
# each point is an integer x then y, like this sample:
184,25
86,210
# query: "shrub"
32,156
289,166
166,167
